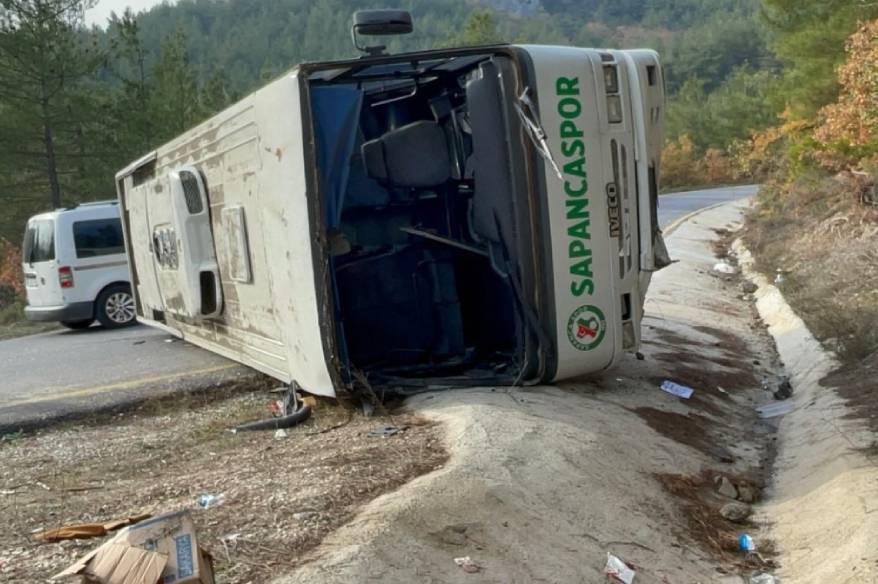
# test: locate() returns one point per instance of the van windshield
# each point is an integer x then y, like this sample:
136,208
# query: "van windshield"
39,241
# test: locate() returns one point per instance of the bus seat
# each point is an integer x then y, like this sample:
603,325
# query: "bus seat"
410,311
413,156
492,219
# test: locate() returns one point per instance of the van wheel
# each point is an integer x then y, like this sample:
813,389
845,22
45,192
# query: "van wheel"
115,307
77,325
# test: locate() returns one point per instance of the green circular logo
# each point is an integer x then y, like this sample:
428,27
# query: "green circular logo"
586,327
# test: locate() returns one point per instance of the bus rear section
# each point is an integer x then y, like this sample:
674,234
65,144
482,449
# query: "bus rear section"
602,111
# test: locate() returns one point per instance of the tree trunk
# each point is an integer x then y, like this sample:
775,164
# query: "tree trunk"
51,162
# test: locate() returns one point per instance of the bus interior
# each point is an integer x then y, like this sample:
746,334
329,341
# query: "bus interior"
421,178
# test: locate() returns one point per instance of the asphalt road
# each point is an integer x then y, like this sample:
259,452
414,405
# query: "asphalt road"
678,205
64,373
69,374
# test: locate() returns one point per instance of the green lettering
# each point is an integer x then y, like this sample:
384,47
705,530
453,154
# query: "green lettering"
567,86
580,287
569,130
576,167
580,229
569,108
577,249
574,148
577,209
582,268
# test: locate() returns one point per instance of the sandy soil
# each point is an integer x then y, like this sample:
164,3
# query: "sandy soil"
281,496
543,482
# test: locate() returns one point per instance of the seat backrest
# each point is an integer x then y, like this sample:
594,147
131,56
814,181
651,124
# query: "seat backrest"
492,216
413,156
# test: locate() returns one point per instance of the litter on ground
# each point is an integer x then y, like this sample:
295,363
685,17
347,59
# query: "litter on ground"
774,410
468,565
677,389
724,268
385,431
746,543
87,530
162,549
618,570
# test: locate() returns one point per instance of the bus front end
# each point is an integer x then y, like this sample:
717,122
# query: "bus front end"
602,114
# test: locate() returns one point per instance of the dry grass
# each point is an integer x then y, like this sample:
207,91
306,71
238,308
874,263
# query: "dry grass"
823,240
282,496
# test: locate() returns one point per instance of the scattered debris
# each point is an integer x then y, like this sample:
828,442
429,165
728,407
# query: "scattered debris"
764,578
746,494
784,389
736,512
280,434
722,390
775,409
385,431
88,530
746,543
779,279
141,342
163,549
677,389
724,268
748,287
206,501
468,565
287,411
725,487
618,570
640,356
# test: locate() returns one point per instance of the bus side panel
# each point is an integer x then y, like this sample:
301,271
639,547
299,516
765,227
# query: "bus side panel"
584,256
252,163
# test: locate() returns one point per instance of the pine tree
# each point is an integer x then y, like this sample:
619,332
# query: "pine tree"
43,59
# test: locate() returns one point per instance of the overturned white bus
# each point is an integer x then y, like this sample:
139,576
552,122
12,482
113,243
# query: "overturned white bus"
453,217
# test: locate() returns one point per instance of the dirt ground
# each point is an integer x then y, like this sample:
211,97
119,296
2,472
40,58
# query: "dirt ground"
542,482
535,484
280,496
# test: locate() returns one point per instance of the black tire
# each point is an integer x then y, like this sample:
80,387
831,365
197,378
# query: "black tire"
114,307
77,325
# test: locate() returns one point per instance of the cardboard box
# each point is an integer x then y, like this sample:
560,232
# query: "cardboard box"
162,550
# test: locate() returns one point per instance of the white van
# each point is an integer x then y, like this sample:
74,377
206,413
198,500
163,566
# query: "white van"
75,267
443,218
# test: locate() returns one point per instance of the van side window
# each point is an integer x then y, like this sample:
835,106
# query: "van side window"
98,237
39,242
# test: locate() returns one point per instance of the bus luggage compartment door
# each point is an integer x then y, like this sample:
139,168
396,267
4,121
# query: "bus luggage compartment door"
182,246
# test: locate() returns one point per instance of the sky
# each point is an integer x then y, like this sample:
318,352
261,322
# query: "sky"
101,12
